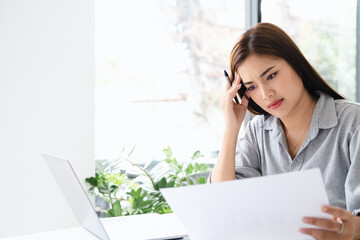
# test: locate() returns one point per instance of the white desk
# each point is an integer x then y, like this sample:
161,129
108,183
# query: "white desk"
77,233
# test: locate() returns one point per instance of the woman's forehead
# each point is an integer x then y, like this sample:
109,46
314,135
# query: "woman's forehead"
258,63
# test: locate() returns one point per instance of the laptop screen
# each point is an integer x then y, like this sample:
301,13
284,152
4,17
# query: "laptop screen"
75,195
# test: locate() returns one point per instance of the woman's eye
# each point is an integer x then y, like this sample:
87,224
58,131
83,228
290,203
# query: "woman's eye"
251,88
271,76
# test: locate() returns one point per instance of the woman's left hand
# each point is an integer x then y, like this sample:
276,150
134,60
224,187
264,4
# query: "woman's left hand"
342,226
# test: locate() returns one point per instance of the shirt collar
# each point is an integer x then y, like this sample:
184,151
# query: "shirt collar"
324,116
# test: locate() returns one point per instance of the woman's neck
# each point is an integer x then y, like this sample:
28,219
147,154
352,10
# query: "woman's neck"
301,116
297,124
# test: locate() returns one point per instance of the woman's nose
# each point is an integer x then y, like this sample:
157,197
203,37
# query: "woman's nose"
266,92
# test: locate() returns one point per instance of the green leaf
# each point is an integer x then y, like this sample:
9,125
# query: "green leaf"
91,181
110,213
167,151
131,193
191,181
171,183
113,188
189,169
201,180
203,167
116,207
196,155
196,167
161,184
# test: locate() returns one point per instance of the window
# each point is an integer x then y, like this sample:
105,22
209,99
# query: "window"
159,74
325,31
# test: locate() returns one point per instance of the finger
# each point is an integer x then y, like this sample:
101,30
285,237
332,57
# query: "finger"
227,88
319,234
236,81
322,223
237,78
337,212
234,89
228,97
228,85
245,101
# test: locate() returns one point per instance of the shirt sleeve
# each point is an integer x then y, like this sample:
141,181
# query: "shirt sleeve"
247,156
352,183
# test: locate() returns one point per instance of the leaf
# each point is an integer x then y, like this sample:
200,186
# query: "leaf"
201,180
196,155
203,167
191,181
116,207
161,184
131,193
167,151
189,169
138,192
91,181
171,183
110,213
113,188
104,191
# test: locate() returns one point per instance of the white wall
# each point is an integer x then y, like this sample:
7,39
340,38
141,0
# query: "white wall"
46,105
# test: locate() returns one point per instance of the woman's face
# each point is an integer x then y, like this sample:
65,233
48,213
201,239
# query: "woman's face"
272,84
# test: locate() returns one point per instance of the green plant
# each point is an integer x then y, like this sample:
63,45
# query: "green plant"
109,184
142,194
185,173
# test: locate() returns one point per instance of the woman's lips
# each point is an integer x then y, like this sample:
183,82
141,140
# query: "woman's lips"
275,104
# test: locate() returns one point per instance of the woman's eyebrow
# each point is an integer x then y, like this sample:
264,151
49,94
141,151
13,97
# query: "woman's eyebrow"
247,83
266,71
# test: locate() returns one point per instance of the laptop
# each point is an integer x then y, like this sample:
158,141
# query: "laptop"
140,227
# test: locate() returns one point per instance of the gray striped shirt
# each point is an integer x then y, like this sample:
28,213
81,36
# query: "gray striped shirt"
332,144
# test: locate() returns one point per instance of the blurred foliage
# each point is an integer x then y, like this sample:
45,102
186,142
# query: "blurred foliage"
142,194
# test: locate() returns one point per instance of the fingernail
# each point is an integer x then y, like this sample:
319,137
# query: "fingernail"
305,220
325,209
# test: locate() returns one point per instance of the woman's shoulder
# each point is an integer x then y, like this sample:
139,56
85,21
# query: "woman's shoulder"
346,106
347,110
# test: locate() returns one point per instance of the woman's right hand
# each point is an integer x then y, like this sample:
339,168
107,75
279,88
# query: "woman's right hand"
234,113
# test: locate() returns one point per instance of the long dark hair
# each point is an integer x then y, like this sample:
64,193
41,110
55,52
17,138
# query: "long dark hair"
268,39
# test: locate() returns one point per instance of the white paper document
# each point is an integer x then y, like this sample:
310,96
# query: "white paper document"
270,207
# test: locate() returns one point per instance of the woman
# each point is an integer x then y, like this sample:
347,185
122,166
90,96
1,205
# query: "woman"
301,123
